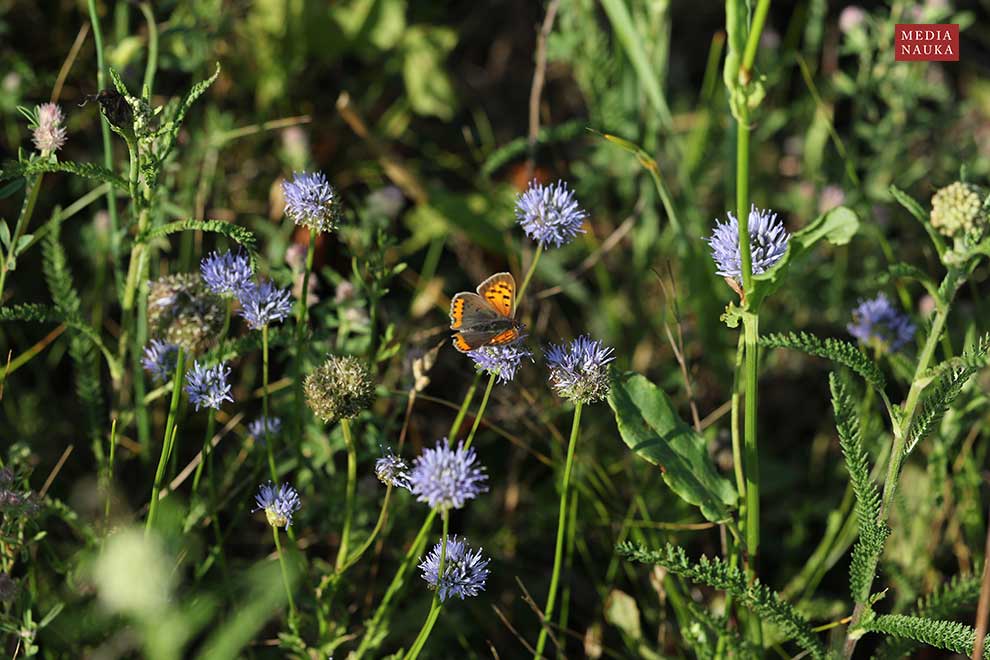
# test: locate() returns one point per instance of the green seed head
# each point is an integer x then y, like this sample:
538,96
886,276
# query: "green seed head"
339,389
182,311
957,211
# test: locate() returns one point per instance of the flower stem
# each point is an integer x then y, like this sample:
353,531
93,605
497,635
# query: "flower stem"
529,273
345,534
301,310
382,515
27,210
210,424
167,440
561,526
434,613
264,403
285,577
481,411
462,411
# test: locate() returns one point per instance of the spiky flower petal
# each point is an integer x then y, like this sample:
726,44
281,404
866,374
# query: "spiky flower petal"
500,361
878,323
392,470
550,214
446,478
311,201
279,504
49,134
263,304
339,389
226,274
464,571
579,370
207,387
767,243
160,359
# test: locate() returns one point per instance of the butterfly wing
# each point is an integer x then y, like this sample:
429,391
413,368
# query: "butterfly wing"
469,340
469,310
499,291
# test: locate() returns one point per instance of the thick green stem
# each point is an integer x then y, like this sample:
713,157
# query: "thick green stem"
167,441
435,605
351,489
285,577
558,552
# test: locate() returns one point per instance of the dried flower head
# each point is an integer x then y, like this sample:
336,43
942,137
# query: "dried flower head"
271,426
339,389
160,359
500,361
392,470
263,304
279,504
767,243
16,502
579,370
49,134
550,215
226,274
182,311
207,387
464,571
879,324
311,201
957,210
446,478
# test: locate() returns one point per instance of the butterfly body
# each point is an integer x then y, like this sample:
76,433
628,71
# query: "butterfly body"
485,318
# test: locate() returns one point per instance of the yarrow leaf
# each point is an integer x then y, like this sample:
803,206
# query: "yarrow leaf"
241,235
938,397
718,574
837,350
13,170
651,427
948,635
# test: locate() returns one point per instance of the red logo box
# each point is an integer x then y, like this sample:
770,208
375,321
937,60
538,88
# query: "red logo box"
926,42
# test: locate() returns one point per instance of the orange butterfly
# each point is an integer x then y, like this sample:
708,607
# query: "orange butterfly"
485,318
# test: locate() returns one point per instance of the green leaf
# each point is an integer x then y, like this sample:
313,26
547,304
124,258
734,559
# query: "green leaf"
236,233
621,611
948,635
651,428
86,170
837,226
914,208
11,188
427,85
4,234
837,350
22,243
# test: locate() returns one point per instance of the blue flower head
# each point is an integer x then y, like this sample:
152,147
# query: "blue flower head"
263,426
226,274
278,503
159,359
550,214
446,478
579,370
263,304
878,323
392,470
767,243
311,201
464,571
207,387
500,361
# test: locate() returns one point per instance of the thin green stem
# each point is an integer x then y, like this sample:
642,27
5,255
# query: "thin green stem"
108,486
210,424
529,273
435,605
561,528
169,436
264,404
152,64
481,411
382,515
301,311
27,210
462,411
285,577
351,489
753,41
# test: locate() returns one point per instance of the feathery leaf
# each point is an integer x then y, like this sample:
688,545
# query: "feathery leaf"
837,350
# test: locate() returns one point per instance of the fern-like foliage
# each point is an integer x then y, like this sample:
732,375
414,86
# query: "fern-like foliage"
12,170
718,574
81,349
949,635
704,639
938,397
872,531
960,593
241,235
906,271
837,350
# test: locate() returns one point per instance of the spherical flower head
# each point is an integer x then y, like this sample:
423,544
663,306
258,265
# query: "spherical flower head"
311,201
550,214
182,311
207,387
767,243
271,426
464,570
339,389
879,324
160,359
500,361
392,470
278,503
226,274
446,478
579,370
263,304
49,134
958,211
